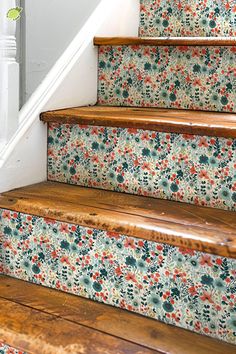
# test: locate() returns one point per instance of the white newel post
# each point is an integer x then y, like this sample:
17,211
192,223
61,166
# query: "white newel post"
9,74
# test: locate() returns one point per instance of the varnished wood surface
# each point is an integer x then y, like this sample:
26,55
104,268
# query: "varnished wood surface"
166,41
179,224
112,321
39,332
156,119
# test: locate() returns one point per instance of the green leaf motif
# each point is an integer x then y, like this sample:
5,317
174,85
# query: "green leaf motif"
14,13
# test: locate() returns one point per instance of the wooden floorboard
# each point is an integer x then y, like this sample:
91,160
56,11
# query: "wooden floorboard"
108,327
178,224
156,119
38,331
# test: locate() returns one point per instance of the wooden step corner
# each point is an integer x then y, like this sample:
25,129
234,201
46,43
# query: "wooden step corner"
155,119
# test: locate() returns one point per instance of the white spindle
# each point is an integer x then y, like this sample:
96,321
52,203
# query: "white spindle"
9,74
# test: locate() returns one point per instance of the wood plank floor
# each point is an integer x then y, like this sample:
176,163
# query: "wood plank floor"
178,224
29,325
40,320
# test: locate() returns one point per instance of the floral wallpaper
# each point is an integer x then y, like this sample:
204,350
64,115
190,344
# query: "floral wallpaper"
187,18
189,289
199,78
6,349
187,168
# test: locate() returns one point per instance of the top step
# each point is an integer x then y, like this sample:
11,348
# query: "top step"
187,18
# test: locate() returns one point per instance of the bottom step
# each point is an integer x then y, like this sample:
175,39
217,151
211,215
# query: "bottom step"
41,320
123,250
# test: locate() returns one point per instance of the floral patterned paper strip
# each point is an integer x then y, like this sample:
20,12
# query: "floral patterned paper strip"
199,78
187,18
189,289
186,168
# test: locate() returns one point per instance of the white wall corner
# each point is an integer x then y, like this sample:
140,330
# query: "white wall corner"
71,82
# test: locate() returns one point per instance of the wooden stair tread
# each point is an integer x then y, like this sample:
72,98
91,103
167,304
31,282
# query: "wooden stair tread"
30,325
25,303
179,224
166,41
156,119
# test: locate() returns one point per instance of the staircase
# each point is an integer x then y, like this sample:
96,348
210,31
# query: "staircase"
139,208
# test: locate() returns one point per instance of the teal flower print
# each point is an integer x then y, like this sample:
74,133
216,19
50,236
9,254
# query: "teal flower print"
65,245
164,184
168,307
203,159
7,230
207,280
131,261
120,179
85,281
97,287
234,197
155,301
232,323
174,187
36,269
141,265
225,194
194,262
219,284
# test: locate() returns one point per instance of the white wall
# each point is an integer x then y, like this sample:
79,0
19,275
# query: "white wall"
71,82
50,25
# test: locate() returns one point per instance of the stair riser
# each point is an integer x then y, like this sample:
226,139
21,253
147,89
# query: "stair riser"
192,169
199,78
187,18
190,289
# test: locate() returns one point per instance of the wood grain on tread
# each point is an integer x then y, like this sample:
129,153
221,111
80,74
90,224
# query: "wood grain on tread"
113,321
178,224
156,119
166,41
39,332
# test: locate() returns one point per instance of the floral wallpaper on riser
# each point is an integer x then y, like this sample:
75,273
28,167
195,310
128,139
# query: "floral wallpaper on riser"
6,349
199,78
187,18
194,169
182,287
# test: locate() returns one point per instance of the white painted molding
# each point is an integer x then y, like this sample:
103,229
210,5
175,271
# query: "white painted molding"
9,74
71,82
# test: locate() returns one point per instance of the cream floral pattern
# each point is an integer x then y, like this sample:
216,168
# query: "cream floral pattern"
188,168
199,78
182,287
187,18
6,349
